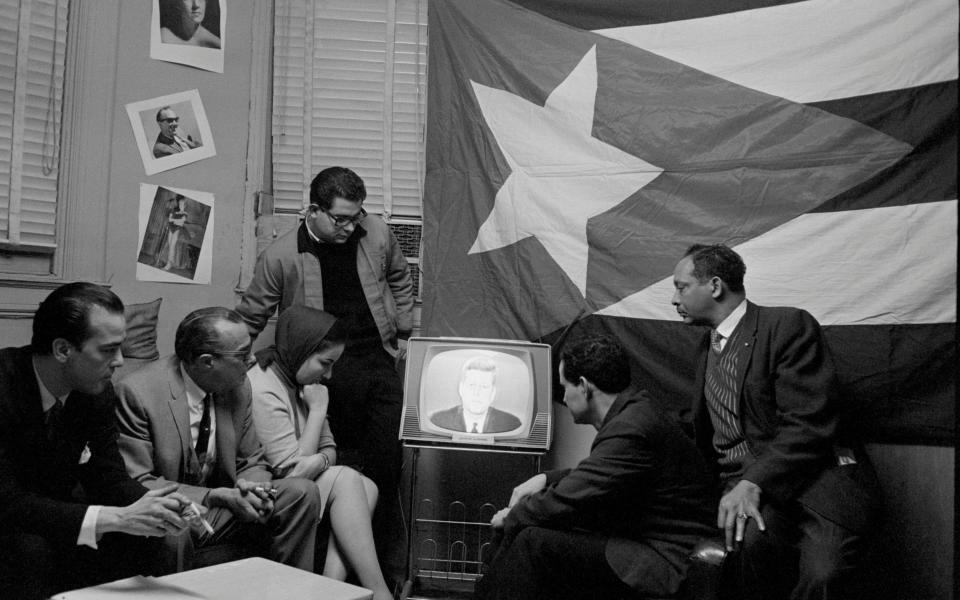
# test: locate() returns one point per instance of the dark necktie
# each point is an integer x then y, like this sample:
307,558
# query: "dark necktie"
715,338
203,434
474,428
52,420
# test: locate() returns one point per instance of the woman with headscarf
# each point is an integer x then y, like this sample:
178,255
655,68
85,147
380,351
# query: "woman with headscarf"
290,415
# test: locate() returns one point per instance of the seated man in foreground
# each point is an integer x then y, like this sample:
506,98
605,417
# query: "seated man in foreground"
70,516
623,521
188,419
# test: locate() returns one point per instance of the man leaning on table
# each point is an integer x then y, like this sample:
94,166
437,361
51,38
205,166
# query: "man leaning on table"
188,419
70,515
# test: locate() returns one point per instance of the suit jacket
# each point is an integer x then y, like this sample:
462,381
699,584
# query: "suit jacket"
788,412
497,421
44,488
165,146
154,422
644,485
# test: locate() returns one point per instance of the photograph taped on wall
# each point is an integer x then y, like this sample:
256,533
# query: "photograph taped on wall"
171,131
176,235
189,32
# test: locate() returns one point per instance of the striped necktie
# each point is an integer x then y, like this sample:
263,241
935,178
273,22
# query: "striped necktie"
715,339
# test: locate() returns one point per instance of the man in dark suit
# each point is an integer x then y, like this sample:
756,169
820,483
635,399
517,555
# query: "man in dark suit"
70,516
187,418
169,140
623,521
766,416
477,389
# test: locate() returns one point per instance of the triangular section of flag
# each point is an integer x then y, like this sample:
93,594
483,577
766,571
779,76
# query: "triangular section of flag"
573,153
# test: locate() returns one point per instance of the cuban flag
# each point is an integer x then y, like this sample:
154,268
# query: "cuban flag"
576,149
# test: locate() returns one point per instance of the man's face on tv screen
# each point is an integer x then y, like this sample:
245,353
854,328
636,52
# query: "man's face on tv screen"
476,391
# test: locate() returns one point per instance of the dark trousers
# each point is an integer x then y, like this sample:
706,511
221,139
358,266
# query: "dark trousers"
288,536
801,555
33,567
548,564
366,399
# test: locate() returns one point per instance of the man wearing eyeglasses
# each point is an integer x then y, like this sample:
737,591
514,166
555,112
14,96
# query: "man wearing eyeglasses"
168,141
351,266
188,419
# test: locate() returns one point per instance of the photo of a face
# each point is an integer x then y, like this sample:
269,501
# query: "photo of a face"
189,32
491,393
171,131
190,23
174,134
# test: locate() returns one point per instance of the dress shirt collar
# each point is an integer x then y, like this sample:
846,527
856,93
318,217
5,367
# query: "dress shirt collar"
469,420
195,393
313,237
47,399
728,325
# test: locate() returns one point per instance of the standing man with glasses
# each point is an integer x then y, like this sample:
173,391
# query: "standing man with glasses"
169,141
353,268
188,419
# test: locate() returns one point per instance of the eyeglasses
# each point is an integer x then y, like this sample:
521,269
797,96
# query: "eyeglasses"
241,354
340,222
170,120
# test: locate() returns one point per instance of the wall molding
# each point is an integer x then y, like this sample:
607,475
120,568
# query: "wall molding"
85,160
258,140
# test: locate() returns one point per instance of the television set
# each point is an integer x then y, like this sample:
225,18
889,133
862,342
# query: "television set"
477,394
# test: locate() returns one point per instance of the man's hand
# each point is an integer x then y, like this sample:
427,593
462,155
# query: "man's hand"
530,486
736,507
155,514
401,352
316,396
497,521
249,501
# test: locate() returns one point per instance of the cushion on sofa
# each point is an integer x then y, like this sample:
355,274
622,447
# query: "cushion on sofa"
141,340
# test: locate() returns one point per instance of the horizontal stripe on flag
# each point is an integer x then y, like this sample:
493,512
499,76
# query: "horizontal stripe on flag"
853,267
604,14
897,381
816,50
924,117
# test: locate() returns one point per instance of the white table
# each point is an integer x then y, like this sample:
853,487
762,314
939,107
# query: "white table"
247,579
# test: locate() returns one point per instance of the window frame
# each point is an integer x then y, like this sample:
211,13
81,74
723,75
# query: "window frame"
87,118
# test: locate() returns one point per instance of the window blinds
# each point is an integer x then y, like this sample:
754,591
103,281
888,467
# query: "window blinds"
349,90
32,46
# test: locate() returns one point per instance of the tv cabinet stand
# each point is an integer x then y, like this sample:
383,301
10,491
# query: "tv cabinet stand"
449,531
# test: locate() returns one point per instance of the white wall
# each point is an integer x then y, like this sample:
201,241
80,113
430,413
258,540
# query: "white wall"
226,100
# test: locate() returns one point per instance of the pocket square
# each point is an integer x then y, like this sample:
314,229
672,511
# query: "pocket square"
85,455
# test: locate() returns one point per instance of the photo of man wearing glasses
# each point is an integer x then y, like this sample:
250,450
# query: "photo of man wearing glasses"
169,141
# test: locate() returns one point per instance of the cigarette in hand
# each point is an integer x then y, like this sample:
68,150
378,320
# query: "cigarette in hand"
196,515
271,492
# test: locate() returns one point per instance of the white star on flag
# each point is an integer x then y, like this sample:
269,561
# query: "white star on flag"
560,174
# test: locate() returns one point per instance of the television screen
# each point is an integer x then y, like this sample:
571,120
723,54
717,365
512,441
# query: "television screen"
477,394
